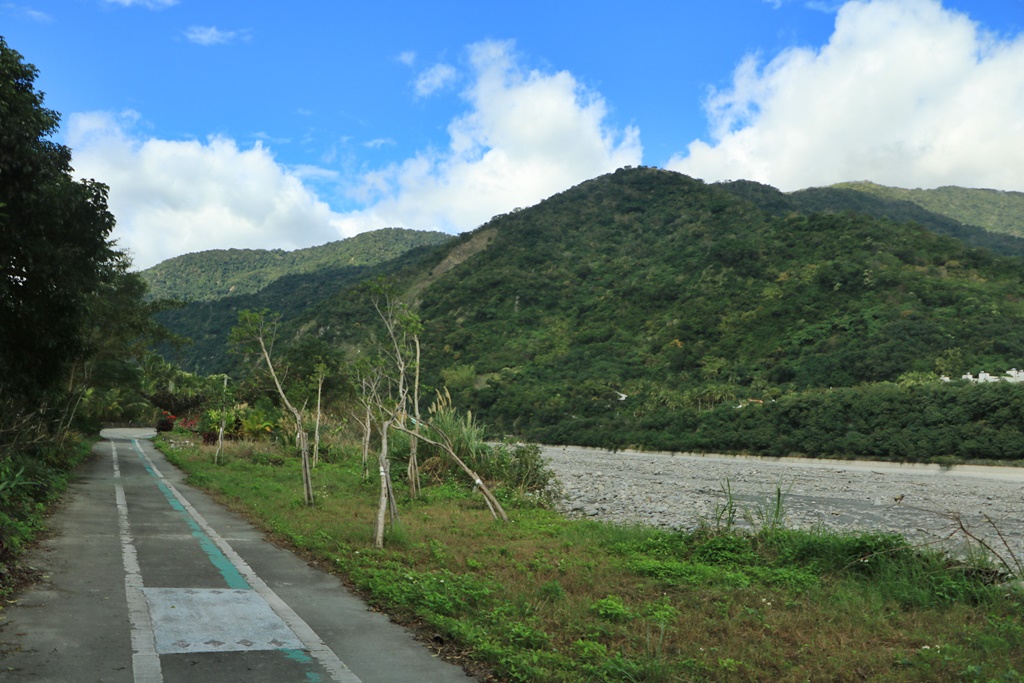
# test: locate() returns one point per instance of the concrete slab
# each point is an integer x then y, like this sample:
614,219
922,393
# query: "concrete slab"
215,620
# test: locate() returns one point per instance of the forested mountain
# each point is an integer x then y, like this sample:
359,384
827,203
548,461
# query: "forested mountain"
218,273
654,285
207,322
971,223
642,293
994,210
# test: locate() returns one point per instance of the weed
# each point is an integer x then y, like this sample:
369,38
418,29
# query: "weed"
725,513
612,609
551,590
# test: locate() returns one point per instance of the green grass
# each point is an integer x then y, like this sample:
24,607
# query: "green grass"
544,598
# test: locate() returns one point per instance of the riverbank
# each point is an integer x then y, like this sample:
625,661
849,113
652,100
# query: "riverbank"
680,491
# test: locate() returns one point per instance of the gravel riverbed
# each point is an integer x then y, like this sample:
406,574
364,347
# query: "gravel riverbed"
682,490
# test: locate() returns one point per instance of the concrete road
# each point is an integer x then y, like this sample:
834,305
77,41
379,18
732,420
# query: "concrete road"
147,579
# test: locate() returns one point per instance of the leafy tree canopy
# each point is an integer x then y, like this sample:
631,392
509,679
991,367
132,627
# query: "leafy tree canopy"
55,253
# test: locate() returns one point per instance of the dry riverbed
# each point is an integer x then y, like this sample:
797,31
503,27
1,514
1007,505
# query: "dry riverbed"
680,491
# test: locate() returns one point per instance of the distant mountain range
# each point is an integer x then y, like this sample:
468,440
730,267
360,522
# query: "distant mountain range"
219,273
993,210
671,291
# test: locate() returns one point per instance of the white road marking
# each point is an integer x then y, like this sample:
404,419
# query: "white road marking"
145,660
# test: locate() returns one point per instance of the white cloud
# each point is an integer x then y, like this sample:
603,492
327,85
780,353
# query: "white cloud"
211,35
151,4
408,57
905,93
525,136
173,197
437,77
26,12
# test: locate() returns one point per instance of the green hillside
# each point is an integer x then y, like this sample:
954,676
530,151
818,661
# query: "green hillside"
206,320
680,294
993,210
857,198
621,310
218,273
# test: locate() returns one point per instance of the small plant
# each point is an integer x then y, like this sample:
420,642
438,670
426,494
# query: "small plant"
725,513
769,517
612,609
551,590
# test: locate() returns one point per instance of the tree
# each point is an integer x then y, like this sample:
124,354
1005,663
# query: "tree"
55,253
401,351
399,354
256,332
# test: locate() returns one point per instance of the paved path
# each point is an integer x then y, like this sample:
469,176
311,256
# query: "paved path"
147,579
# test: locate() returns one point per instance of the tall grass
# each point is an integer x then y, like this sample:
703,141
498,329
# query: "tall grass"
550,599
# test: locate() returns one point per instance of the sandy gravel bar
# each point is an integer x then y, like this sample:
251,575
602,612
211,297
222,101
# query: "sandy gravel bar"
682,490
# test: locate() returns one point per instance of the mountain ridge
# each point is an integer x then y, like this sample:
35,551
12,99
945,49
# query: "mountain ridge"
218,273
674,292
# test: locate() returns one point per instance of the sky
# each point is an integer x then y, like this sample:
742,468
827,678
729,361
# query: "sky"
248,124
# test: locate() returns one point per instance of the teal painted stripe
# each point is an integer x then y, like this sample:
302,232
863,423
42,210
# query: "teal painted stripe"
302,658
231,575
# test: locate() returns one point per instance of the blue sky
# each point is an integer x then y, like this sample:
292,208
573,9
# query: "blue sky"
264,125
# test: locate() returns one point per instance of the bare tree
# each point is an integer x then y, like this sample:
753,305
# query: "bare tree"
223,420
321,375
257,330
444,442
370,375
401,353
414,466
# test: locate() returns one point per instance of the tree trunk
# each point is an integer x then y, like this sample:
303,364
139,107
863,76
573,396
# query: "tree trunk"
414,466
223,424
307,478
307,472
316,432
497,511
367,434
382,502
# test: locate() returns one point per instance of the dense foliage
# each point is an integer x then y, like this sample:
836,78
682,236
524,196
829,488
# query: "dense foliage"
72,316
970,226
218,273
678,294
1000,212
620,311
940,422
207,322
55,251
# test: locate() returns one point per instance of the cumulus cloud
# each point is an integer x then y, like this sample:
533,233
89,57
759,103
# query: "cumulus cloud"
905,93
525,136
172,197
437,77
211,35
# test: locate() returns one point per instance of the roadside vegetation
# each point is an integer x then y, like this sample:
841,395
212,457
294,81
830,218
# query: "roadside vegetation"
545,598
73,323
